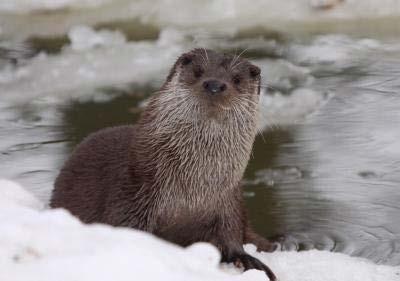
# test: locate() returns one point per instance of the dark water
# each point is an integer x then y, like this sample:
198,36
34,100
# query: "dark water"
330,181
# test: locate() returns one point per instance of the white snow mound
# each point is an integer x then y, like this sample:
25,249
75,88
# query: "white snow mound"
12,195
54,245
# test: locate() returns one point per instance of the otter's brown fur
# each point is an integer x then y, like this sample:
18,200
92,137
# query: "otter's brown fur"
176,173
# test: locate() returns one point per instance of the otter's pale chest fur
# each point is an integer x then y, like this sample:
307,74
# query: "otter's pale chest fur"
198,165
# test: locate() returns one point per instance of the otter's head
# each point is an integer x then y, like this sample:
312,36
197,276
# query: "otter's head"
203,121
216,85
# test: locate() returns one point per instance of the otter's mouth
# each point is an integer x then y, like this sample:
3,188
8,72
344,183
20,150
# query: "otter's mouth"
219,105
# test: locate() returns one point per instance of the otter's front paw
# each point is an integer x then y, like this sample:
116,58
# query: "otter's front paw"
248,262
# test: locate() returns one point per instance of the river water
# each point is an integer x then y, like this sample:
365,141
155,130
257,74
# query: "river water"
325,173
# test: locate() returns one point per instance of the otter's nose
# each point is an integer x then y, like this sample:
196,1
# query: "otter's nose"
214,86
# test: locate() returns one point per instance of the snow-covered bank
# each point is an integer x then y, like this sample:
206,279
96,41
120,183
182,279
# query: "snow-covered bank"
25,6
49,17
53,245
84,66
86,63
293,8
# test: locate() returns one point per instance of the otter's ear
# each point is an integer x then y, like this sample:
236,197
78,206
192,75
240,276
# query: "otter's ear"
254,71
186,59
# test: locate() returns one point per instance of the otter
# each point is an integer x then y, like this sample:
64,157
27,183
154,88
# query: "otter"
177,172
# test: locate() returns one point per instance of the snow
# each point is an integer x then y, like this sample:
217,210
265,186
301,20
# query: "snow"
335,53
12,194
85,38
23,6
278,109
219,15
38,244
226,8
85,65
82,69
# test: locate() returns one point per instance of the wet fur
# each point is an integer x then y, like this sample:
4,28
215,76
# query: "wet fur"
176,173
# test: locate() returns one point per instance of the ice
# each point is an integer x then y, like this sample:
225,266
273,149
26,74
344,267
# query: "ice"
32,146
53,245
287,95
220,15
25,6
334,53
93,60
278,109
104,58
84,66
282,75
85,38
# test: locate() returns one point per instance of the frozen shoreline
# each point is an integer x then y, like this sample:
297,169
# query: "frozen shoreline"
55,18
56,246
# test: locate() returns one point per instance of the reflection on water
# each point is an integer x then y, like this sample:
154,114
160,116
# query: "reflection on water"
83,118
328,181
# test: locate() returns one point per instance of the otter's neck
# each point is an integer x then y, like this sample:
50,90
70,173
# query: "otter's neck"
194,155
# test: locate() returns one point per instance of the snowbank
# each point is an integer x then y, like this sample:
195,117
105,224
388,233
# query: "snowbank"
164,11
55,17
53,245
84,66
25,6
12,194
86,63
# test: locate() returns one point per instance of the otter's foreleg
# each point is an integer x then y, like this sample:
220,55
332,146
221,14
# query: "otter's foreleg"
262,244
229,239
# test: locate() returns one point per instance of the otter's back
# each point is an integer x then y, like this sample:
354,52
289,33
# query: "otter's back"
97,167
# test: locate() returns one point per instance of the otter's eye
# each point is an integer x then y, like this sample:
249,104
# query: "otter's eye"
254,71
197,71
236,79
186,60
